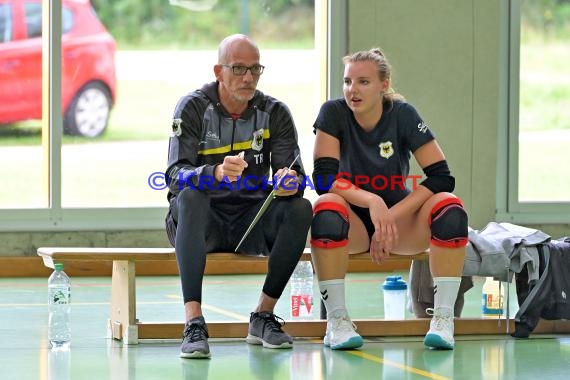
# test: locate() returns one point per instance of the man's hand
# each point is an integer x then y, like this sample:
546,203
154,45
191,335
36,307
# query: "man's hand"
231,168
288,182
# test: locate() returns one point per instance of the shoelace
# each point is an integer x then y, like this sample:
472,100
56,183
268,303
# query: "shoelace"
440,318
196,332
272,322
343,322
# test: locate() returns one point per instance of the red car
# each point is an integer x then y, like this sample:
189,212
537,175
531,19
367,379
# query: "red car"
88,66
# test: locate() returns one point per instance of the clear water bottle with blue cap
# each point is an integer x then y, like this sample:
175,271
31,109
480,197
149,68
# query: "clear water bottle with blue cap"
394,289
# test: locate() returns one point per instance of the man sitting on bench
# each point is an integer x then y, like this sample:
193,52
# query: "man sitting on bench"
225,138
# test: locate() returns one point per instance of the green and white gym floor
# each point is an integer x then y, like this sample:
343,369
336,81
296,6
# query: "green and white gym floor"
25,353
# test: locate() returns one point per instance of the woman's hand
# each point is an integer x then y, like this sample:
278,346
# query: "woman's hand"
385,235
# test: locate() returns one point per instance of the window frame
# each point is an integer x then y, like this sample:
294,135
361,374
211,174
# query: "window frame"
509,208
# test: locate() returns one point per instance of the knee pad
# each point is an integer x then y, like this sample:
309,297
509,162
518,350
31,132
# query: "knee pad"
329,228
448,223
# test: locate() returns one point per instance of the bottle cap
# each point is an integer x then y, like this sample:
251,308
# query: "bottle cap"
394,283
58,266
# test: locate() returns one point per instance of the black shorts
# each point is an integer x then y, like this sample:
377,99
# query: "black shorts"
224,231
364,215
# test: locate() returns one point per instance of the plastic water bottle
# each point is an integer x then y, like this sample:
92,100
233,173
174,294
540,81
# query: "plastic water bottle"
493,295
59,364
395,289
59,298
302,290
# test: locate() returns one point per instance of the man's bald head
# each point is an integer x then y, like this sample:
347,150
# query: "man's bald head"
231,44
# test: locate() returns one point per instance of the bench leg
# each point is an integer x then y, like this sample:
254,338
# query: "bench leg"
123,323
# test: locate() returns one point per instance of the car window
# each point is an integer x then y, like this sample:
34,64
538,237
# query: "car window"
5,23
67,20
34,19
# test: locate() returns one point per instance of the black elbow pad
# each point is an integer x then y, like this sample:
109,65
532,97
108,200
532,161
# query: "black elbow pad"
439,178
325,170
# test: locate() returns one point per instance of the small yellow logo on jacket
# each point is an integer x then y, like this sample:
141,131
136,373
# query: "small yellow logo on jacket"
386,149
257,141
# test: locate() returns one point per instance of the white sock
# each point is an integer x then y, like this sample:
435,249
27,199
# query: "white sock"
332,294
445,293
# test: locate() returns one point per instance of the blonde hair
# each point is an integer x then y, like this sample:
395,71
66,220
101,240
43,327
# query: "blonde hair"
383,68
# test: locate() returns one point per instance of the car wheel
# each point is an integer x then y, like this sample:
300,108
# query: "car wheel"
88,113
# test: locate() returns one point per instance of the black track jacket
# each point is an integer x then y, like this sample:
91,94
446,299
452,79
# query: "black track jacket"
203,133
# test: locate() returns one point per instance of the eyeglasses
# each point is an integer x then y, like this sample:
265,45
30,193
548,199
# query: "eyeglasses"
241,70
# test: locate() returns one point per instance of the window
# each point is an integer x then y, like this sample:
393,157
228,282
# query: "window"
21,152
539,127
162,52
5,22
544,115
34,20
20,92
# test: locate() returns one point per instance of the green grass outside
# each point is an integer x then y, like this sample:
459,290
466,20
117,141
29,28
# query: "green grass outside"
144,112
544,87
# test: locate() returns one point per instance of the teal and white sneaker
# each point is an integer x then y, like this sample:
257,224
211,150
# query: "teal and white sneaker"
440,334
341,334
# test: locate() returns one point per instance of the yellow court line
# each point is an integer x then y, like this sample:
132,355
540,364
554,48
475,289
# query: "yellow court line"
404,367
227,313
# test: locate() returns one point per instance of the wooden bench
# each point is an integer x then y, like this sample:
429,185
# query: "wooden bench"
124,325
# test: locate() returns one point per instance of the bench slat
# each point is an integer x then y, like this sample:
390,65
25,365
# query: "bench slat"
162,261
366,327
107,254
153,254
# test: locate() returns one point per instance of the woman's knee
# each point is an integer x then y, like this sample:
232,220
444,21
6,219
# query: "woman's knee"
330,197
330,226
448,223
